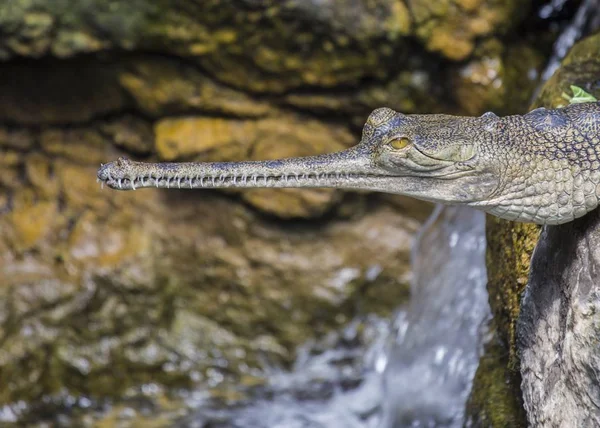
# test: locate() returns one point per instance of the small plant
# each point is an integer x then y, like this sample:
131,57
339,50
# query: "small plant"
579,96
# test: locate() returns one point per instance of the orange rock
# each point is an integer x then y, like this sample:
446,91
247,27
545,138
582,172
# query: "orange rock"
469,5
30,224
181,138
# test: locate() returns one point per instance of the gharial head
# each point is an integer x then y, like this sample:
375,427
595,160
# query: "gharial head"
439,158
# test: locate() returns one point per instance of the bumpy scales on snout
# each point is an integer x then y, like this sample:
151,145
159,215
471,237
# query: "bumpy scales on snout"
542,167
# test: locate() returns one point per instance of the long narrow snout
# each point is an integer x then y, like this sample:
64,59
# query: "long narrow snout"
347,168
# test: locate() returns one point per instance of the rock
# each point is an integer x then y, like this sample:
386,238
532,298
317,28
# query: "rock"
132,134
17,139
499,79
509,250
348,40
495,400
183,138
336,58
580,68
80,91
300,43
28,225
412,89
9,162
452,26
67,143
163,86
58,92
559,327
224,39
38,169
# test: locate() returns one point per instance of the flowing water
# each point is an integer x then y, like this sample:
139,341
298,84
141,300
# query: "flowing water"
585,20
413,371
438,339
434,353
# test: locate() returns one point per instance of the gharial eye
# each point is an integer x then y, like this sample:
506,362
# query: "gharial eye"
400,143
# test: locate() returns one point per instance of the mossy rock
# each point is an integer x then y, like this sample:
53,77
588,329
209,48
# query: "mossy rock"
495,400
452,26
581,67
509,250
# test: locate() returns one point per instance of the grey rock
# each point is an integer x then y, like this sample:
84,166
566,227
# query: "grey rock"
559,327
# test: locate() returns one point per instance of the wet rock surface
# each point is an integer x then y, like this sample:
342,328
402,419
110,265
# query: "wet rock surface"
300,43
559,327
339,58
496,396
451,27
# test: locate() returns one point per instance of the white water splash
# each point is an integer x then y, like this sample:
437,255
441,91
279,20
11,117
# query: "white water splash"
438,342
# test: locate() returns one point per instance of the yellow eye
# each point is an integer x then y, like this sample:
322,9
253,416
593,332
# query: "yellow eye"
400,143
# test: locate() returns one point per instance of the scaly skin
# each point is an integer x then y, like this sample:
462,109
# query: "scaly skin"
542,167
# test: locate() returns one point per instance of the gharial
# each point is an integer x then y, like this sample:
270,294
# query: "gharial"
542,167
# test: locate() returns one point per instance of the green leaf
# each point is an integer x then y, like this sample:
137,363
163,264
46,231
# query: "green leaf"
579,96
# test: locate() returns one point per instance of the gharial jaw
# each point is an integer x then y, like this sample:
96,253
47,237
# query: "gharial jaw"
349,169
345,169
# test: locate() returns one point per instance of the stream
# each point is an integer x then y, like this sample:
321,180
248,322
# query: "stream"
415,370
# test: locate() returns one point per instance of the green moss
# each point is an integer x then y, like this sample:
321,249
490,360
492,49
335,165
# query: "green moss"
495,400
509,250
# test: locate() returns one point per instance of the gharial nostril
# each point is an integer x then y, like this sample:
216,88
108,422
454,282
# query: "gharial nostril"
103,172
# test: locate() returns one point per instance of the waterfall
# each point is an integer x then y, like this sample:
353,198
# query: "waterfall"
433,356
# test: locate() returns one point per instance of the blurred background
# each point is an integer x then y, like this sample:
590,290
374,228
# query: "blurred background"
256,308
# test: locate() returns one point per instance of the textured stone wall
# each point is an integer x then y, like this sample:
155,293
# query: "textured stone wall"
100,290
